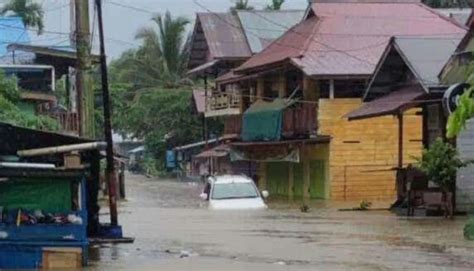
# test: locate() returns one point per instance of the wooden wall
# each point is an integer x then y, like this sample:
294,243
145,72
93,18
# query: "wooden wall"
363,152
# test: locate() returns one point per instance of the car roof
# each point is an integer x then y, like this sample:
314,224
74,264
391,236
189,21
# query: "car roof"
230,179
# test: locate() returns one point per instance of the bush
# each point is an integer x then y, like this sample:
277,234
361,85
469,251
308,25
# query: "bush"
440,163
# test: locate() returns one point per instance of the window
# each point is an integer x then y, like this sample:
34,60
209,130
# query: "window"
234,191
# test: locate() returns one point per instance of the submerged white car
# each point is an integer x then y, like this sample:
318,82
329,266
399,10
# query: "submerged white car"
233,192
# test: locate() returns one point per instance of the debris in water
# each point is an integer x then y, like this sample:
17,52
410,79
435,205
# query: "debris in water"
184,254
281,263
304,208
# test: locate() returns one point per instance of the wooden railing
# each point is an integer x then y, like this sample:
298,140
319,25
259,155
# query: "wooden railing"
299,121
223,104
68,122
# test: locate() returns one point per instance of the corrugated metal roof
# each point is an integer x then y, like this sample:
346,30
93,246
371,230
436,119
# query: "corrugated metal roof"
260,30
461,15
224,35
349,38
426,57
389,104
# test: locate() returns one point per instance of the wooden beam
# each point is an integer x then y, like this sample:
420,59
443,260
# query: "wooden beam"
400,140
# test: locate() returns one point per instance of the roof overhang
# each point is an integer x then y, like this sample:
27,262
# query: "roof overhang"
48,51
320,139
391,104
203,69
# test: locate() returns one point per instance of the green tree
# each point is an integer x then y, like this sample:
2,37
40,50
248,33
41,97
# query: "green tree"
164,53
465,110
241,5
440,163
10,113
275,5
31,13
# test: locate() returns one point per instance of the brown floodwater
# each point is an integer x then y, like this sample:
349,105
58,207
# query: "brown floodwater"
175,231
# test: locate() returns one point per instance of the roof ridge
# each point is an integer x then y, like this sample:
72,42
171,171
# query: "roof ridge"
311,36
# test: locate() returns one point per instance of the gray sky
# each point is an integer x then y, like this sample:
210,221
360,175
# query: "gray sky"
122,23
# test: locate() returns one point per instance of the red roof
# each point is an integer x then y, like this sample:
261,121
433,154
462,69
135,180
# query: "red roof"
348,38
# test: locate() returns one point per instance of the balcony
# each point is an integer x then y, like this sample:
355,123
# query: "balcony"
68,122
298,122
223,104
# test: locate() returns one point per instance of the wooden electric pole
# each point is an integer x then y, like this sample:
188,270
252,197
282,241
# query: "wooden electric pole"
110,171
85,92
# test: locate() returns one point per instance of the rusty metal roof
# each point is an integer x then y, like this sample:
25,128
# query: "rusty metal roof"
349,38
389,104
224,36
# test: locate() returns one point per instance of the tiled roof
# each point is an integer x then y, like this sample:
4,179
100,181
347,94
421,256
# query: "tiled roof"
349,38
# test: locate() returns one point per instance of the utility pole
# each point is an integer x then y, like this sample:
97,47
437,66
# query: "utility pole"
111,177
85,92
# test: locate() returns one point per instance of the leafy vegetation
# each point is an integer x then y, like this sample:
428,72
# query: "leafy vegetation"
151,96
31,13
11,113
241,5
275,5
440,163
465,110
445,3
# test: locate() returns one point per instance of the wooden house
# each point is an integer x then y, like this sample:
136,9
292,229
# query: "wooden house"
300,89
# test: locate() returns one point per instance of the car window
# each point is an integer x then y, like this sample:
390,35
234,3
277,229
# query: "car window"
234,190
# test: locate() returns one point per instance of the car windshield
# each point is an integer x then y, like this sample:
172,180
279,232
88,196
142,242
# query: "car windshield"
234,191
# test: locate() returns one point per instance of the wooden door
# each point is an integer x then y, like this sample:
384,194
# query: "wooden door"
277,178
317,173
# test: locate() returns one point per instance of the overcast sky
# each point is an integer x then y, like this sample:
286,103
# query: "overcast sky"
121,23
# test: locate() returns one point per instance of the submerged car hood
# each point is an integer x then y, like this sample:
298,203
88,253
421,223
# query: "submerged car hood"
237,204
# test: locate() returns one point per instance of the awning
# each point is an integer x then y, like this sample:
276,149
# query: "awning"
199,97
263,121
202,68
390,104
219,151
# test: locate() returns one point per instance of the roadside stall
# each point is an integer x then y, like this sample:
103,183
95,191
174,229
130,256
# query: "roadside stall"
48,198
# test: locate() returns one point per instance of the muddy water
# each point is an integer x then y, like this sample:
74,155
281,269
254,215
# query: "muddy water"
174,231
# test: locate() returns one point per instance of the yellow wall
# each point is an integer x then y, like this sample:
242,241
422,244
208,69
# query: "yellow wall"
363,152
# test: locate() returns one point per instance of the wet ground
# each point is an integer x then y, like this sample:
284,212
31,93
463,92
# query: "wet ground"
174,231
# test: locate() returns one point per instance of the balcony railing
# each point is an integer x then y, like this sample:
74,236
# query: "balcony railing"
221,104
298,122
68,122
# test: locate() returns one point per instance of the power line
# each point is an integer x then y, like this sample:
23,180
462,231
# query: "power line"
129,7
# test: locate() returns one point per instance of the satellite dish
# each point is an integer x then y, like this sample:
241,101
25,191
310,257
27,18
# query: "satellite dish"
451,97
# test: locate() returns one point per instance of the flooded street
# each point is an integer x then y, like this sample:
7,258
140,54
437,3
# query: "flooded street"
174,231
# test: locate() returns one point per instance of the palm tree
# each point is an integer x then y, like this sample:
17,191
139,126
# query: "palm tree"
31,13
164,51
275,5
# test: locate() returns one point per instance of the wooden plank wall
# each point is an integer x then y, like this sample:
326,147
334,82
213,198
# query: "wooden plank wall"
465,178
363,152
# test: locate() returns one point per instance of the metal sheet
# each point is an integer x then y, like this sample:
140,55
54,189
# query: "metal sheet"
426,57
260,29
224,36
389,104
346,39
